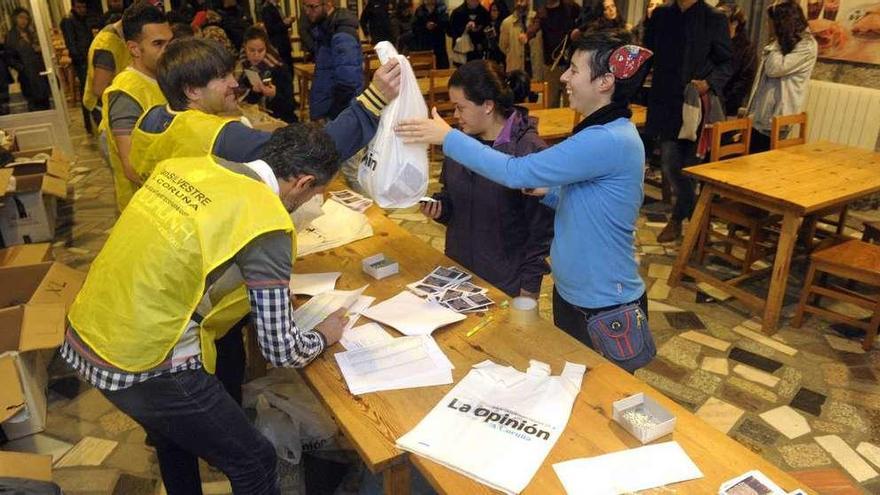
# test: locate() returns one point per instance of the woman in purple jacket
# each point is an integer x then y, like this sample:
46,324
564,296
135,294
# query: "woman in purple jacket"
496,232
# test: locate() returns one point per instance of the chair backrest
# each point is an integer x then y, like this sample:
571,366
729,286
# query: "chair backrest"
438,93
371,59
741,132
541,88
422,63
779,123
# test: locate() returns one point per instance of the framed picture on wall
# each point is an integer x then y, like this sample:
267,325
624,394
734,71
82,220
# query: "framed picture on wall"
845,29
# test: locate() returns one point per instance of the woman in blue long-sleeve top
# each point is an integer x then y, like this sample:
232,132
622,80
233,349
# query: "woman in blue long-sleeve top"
594,180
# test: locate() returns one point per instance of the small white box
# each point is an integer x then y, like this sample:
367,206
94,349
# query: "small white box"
643,418
379,267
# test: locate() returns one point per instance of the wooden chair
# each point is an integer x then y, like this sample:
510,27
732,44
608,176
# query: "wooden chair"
853,260
438,96
542,89
746,225
782,121
422,63
371,59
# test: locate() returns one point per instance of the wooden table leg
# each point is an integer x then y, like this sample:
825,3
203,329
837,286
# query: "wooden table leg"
395,480
791,222
692,234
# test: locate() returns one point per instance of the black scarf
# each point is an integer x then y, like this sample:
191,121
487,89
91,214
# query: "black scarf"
604,115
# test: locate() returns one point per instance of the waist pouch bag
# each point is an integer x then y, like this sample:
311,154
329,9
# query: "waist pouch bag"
622,336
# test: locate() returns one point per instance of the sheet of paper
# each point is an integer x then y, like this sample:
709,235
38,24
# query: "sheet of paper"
412,315
364,336
312,284
316,309
355,310
90,451
405,362
337,226
628,470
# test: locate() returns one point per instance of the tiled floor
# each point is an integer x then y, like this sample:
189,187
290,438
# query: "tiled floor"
807,399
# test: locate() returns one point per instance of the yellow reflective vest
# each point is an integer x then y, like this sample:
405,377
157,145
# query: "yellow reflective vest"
191,216
110,40
191,133
145,91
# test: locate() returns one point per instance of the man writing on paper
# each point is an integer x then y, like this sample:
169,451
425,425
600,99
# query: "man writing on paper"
135,330
133,90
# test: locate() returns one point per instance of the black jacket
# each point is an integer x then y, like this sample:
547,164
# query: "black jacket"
694,44
278,31
432,39
77,33
745,65
500,234
458,21
376,21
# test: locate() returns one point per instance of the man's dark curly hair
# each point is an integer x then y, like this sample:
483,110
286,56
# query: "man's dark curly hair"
302,149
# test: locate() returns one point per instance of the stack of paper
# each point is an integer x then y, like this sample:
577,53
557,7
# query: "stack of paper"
405,362
336,227
364,336
412,315
627,471
321,306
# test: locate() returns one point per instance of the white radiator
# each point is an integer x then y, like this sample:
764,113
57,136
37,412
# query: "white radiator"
843,114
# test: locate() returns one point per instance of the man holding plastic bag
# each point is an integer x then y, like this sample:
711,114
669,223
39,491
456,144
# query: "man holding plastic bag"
393,173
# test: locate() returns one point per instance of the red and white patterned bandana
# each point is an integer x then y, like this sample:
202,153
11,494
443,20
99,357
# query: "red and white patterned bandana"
627,60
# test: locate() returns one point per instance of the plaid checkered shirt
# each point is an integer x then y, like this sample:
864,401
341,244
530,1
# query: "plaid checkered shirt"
281,343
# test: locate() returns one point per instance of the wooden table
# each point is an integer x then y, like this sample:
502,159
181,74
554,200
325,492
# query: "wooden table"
372,422
556,124
795,182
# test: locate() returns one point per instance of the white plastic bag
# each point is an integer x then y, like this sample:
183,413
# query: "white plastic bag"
289,414
395,174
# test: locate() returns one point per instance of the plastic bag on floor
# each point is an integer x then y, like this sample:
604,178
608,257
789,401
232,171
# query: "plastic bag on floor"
395,174
289,414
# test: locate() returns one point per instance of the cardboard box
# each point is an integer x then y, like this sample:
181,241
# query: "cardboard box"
58,164
28,215
28,466
34,300
26,254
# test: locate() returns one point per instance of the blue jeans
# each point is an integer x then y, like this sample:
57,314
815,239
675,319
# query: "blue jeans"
676,154
189,415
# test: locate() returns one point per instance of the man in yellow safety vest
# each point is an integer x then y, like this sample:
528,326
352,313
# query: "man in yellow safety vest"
135,329
133,91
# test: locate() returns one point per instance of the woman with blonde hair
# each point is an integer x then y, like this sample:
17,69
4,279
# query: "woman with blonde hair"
522,53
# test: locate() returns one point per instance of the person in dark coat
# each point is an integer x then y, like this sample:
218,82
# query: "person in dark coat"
691,44
498,11
278,29
429,30
24,48
77,32
557,23
472,18
376,21
500,234
275,88
234,20
339,60
745,60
